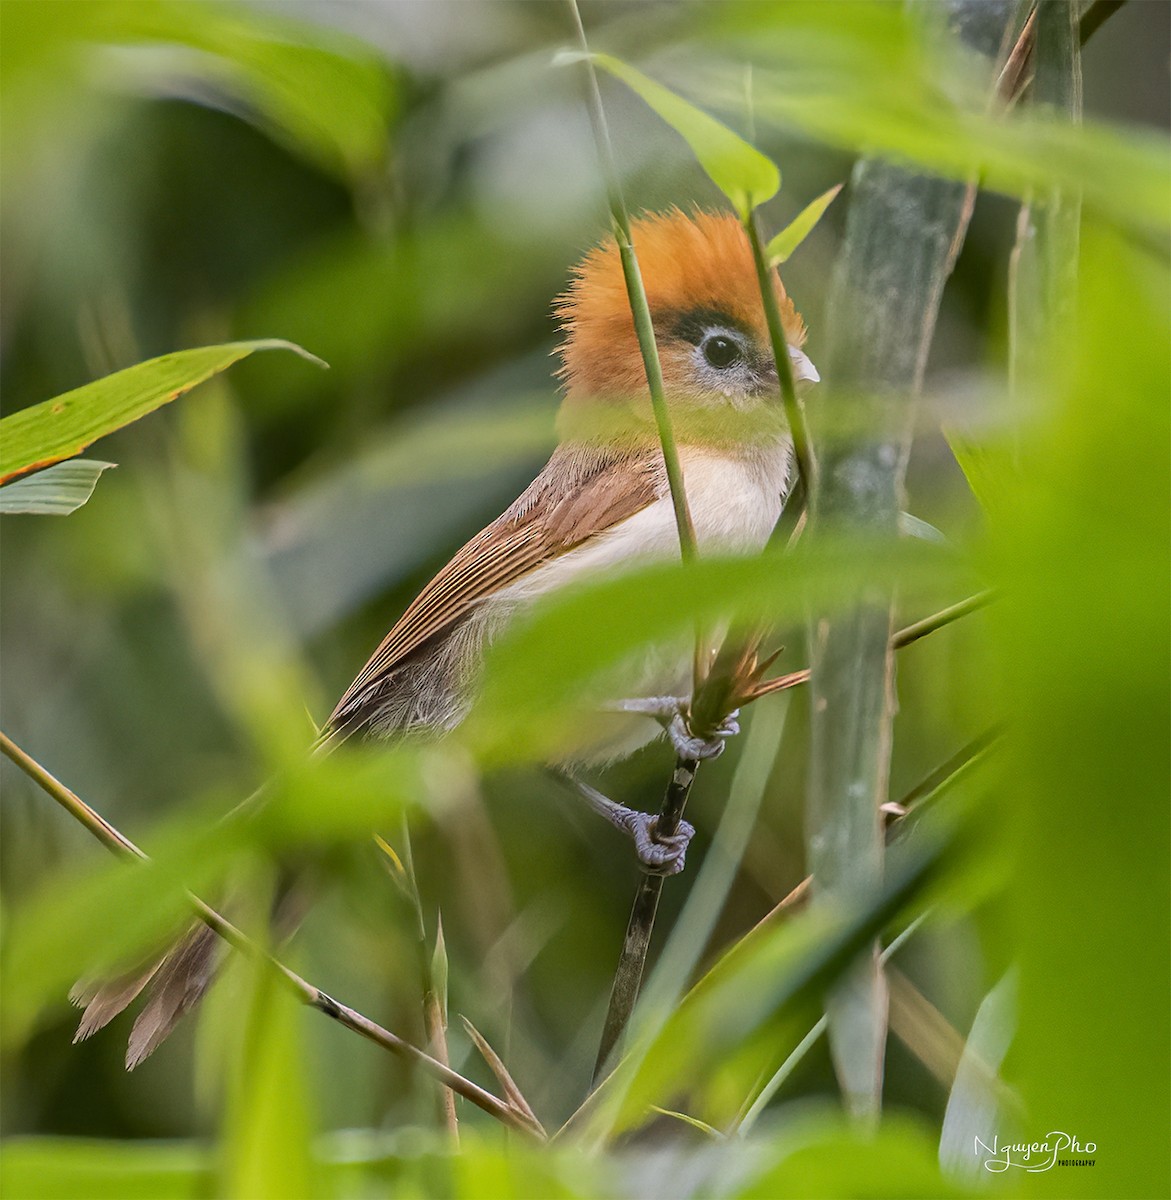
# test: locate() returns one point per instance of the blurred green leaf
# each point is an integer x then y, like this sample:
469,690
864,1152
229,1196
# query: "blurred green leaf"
800,227
912,526
821,1159
879,82
108,917
268,1122
65,1169
55,491
326,96
63,426
549,670
989,466
738,169
1084,647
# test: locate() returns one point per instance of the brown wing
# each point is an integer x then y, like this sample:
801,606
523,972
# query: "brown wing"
578,495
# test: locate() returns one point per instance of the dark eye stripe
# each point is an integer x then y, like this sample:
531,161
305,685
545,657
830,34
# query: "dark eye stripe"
695,324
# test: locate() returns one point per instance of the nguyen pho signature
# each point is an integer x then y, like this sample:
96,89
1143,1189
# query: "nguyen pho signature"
1058,1149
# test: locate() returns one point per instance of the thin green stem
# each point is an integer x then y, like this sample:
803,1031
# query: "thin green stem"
636,295
794,414
628,975
945,616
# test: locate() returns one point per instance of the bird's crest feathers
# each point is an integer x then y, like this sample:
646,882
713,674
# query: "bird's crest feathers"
689,262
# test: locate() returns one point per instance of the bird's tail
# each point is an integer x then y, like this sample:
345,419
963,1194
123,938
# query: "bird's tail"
174,981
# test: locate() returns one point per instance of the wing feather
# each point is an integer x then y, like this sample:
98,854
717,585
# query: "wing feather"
578,495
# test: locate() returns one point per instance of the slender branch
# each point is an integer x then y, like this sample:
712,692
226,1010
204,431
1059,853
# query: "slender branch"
306,992
902,638
632,961
923,795
636,294
945,616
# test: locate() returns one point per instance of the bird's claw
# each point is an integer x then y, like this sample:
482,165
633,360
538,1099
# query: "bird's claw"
671,713
660,854
690,745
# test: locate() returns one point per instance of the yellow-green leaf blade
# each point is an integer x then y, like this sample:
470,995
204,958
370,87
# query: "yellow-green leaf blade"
59,428
738,169
798,229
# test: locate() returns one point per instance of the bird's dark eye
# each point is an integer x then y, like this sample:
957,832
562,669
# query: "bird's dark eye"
721,351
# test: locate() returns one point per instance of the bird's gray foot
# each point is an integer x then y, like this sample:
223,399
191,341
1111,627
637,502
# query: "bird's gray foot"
659,854
670,712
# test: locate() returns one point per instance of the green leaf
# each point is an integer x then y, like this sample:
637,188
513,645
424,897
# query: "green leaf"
535,698
268,1126
989,467
55,491
58,1168
686,1119
327,96
738,169
58,428
872,84
798,229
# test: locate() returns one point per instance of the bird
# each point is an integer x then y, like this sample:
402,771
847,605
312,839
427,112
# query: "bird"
601,504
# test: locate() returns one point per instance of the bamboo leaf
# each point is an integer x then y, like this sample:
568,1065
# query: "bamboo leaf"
976,1103
782,246
61,427
988,466
268,1125
55,491
738,169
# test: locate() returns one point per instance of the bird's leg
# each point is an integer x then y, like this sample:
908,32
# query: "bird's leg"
670,712
658,853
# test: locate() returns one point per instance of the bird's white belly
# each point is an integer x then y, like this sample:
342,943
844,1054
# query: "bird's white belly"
734,502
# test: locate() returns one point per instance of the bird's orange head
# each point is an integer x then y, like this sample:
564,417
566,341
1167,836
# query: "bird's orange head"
705,304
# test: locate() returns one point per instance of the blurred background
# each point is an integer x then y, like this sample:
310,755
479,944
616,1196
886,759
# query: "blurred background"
402,189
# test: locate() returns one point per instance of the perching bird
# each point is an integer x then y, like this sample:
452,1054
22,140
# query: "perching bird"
601,502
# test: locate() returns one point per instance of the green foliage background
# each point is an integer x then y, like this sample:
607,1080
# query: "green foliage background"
401,189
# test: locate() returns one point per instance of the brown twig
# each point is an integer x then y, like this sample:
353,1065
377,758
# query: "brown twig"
306,992
503,1075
